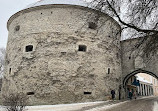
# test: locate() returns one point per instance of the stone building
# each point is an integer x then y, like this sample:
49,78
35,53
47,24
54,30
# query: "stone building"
155,86
146,87
61,51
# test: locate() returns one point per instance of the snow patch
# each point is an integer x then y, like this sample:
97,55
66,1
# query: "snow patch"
155,108
103,108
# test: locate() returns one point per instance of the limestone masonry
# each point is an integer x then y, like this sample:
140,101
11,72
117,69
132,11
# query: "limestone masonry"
60,53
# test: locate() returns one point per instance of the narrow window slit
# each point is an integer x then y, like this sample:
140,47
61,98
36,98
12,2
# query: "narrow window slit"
87,93
30,93
108,70
10,71
63,53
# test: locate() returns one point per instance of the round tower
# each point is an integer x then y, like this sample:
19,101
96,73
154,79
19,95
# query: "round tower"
62,52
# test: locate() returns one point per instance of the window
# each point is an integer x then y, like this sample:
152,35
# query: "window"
63,53
29,48
129,57
87,93
92,25
30,93
108,70
82,48
17,28
10,71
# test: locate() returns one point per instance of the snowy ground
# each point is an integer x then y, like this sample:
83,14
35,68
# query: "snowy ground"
155,108
101,106
61,107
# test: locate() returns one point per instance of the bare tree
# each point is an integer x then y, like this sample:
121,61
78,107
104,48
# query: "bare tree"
15,102
2,61
137,18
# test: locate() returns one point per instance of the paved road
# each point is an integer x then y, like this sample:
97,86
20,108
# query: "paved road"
144,104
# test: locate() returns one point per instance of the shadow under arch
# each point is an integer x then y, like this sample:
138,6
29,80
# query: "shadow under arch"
125,80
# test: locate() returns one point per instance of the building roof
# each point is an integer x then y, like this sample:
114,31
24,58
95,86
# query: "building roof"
48,2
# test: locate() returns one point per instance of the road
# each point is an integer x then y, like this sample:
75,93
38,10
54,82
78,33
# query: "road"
144,104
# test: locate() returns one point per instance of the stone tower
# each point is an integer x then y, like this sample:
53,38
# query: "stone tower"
62,52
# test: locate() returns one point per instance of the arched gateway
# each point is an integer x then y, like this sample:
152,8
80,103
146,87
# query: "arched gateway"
125,80
134,62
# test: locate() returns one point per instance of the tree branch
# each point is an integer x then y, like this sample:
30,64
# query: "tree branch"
128,25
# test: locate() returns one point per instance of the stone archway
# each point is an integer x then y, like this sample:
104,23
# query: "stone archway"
126,78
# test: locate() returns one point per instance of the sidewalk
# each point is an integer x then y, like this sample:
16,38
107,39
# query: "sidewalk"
88,106
68,107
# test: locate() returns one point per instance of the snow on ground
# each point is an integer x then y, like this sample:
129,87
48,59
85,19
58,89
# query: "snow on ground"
60,107
71,107
106,106
79,106
155,108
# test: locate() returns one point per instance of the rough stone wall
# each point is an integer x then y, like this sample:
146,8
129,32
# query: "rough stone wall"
55,71
133,59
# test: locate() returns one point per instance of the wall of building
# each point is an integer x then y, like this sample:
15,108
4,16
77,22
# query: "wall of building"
155,86
133,59
146,85
146,77
55,71
145,89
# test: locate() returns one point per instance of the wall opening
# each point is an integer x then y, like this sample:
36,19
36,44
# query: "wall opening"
82,48
10,70
140,82
86,93
30,93
17,28
63,53
29,48
92,25
108,70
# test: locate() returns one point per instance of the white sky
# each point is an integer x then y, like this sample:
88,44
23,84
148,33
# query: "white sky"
8,8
